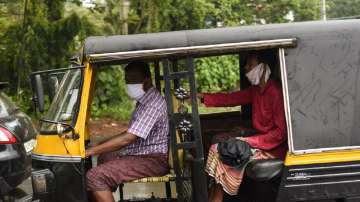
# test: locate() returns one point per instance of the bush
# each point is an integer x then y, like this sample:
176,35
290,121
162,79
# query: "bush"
220,73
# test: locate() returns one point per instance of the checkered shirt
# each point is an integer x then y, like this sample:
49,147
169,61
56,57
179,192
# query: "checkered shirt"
150,123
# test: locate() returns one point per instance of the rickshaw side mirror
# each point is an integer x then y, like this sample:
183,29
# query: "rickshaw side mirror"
37,85
61,129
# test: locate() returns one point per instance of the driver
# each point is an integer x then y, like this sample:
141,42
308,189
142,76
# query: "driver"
268,118
142,150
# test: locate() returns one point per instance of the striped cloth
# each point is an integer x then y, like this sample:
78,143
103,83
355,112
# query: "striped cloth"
229,177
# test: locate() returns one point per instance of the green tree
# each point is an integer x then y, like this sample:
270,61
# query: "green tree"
38,38
53,30
10,14
343,8
220,73
306,10
216,73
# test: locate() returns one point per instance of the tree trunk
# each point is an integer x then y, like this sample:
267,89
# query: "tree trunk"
20,64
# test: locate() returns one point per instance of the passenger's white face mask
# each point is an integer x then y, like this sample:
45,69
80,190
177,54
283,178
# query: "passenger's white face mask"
135,91
255,74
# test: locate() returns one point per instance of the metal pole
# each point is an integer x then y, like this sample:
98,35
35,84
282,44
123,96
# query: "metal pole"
323,10
172,127
198,174
157,76
124,15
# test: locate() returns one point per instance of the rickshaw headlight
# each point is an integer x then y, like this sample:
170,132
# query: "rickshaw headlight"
43,181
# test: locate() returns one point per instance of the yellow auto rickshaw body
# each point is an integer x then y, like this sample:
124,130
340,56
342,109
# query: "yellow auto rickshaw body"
317,64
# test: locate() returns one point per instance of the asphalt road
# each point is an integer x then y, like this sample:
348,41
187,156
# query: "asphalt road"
131,191
21,194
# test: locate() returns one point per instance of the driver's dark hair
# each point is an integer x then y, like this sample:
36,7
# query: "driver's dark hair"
140,67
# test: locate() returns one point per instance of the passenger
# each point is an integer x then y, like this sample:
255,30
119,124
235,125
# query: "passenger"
142,150
268,118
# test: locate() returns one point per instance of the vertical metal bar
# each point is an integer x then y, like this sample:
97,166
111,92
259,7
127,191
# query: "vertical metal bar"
195,113
121,192
168,191
198,171
284,80
157,76
246,110
239,59
83,180
173,141
175,68
323,10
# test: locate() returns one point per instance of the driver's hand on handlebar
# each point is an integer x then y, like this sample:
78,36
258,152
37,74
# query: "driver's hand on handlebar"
89,152
93,144
89,149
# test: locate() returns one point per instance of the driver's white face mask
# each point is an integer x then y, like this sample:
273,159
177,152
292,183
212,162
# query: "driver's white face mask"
135,91
255,74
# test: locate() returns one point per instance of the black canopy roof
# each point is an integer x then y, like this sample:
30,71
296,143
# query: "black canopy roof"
109,46
321,75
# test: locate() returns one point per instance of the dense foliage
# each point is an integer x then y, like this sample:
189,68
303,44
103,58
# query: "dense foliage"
44,34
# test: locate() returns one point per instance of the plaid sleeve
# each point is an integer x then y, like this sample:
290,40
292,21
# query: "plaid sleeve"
145,121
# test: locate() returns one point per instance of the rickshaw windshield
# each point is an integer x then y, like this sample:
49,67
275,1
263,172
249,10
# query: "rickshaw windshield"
63,107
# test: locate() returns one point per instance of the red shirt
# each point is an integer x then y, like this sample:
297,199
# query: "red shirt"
268,116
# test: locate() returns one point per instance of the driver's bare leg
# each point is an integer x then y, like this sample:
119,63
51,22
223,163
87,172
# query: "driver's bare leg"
103,196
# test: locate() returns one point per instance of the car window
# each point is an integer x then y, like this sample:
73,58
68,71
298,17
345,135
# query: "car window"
6,105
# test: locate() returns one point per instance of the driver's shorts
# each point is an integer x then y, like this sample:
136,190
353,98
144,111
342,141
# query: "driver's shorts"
113,170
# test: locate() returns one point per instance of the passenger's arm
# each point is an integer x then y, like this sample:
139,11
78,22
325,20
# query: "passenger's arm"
275,136
228,99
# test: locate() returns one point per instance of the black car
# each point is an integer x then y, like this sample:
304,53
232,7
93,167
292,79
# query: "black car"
17,139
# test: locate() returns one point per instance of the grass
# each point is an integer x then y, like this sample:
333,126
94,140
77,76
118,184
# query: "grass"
123,111
210,110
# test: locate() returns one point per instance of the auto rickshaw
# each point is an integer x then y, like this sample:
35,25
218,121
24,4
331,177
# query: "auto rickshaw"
317,63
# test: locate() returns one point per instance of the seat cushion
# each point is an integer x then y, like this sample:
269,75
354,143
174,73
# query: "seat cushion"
264,170
166,178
